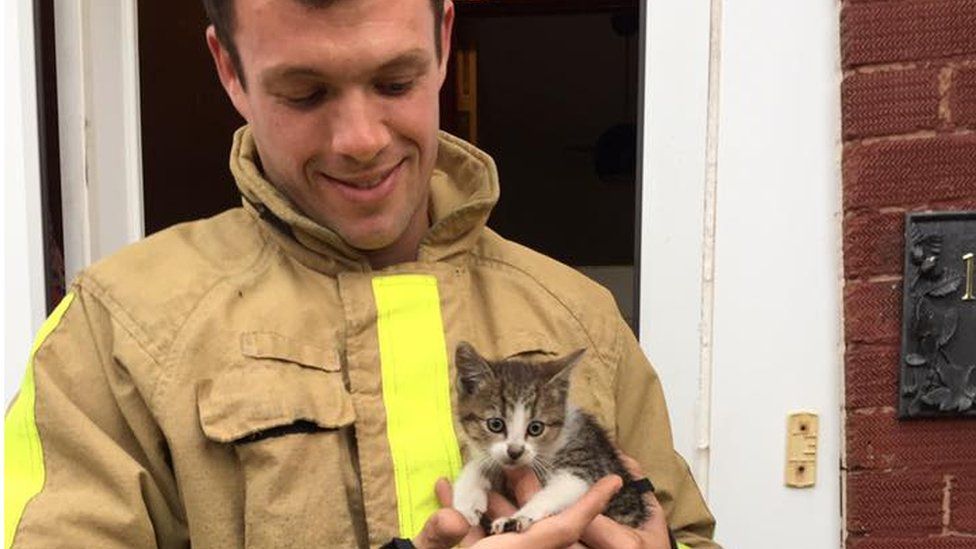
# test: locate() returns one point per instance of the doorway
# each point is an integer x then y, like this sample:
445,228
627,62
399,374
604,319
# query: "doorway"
550,90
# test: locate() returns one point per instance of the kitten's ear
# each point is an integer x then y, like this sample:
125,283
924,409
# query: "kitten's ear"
561,368
472,368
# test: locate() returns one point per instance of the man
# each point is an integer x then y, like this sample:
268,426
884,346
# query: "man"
278,375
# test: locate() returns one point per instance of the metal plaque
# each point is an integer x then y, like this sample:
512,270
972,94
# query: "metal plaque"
938,343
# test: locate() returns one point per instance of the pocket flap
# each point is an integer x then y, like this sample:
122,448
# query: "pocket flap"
527,344
276,346
258,395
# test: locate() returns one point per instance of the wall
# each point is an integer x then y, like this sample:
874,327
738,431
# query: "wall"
909,111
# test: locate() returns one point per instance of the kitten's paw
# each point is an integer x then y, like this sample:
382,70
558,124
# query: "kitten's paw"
472,504
518,523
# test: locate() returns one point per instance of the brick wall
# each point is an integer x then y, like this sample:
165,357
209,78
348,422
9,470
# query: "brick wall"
909,129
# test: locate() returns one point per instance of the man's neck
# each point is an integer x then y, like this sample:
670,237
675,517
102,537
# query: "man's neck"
407,247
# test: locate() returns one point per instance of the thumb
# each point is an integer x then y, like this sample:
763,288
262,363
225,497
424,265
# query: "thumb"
443,530
442,489
594,501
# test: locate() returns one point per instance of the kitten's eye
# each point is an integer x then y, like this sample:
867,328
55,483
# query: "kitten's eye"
496,424
535,428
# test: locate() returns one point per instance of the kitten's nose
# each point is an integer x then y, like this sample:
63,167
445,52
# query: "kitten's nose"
515,452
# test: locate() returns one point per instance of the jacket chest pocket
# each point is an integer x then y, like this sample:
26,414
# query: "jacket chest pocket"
287,413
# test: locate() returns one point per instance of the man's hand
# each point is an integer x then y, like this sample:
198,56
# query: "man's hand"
606,533
602,532
447,527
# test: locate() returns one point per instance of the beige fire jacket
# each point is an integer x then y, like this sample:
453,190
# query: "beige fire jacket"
222,382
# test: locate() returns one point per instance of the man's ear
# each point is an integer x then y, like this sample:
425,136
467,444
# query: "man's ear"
228,74
561,368
472,368
447,28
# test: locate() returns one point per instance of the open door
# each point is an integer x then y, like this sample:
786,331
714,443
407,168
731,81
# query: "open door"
550,89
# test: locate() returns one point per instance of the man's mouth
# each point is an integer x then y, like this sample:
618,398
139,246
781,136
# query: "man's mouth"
365,181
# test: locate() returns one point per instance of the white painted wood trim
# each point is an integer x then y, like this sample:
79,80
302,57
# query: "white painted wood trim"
676,83
22,278
777,325
741,253
100,139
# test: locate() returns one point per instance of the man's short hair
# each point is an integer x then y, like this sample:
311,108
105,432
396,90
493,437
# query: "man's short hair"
221,14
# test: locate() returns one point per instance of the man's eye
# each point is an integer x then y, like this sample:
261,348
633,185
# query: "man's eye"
395,89
305,101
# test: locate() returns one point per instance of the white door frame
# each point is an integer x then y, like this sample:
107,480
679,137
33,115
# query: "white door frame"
741,253
100,148
676,102
22,278
97,49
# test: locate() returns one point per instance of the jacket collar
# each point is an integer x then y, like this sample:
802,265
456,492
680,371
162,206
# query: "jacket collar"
463,190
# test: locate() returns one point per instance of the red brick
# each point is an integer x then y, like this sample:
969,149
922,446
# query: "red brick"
890,102
889,32
927,542
968,203
962,97
874,244
880,441
872,312
963,500
894,503
910,173
871,375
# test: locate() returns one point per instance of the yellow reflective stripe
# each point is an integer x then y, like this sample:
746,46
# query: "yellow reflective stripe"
23,458
416,393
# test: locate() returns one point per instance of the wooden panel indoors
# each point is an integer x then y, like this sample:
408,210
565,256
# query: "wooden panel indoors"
539,7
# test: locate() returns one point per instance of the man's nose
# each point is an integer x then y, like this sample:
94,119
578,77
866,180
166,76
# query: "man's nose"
515,452
359,132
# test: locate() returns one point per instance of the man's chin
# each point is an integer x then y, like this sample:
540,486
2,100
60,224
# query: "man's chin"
370,243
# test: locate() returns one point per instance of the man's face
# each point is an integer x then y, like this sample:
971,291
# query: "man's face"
343,104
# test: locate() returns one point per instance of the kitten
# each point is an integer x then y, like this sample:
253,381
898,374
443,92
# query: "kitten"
515,414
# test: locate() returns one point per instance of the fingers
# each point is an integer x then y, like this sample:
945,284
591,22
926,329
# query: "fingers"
605,533
632,465
593,502
565,528
499,506
524,484
654,504
443,530
445,495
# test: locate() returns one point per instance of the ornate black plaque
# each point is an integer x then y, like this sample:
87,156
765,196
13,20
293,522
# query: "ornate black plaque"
938,344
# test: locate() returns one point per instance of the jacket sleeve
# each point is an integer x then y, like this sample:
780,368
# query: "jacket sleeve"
86,464
644,433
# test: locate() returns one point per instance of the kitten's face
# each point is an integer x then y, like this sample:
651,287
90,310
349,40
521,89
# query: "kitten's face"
512,411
